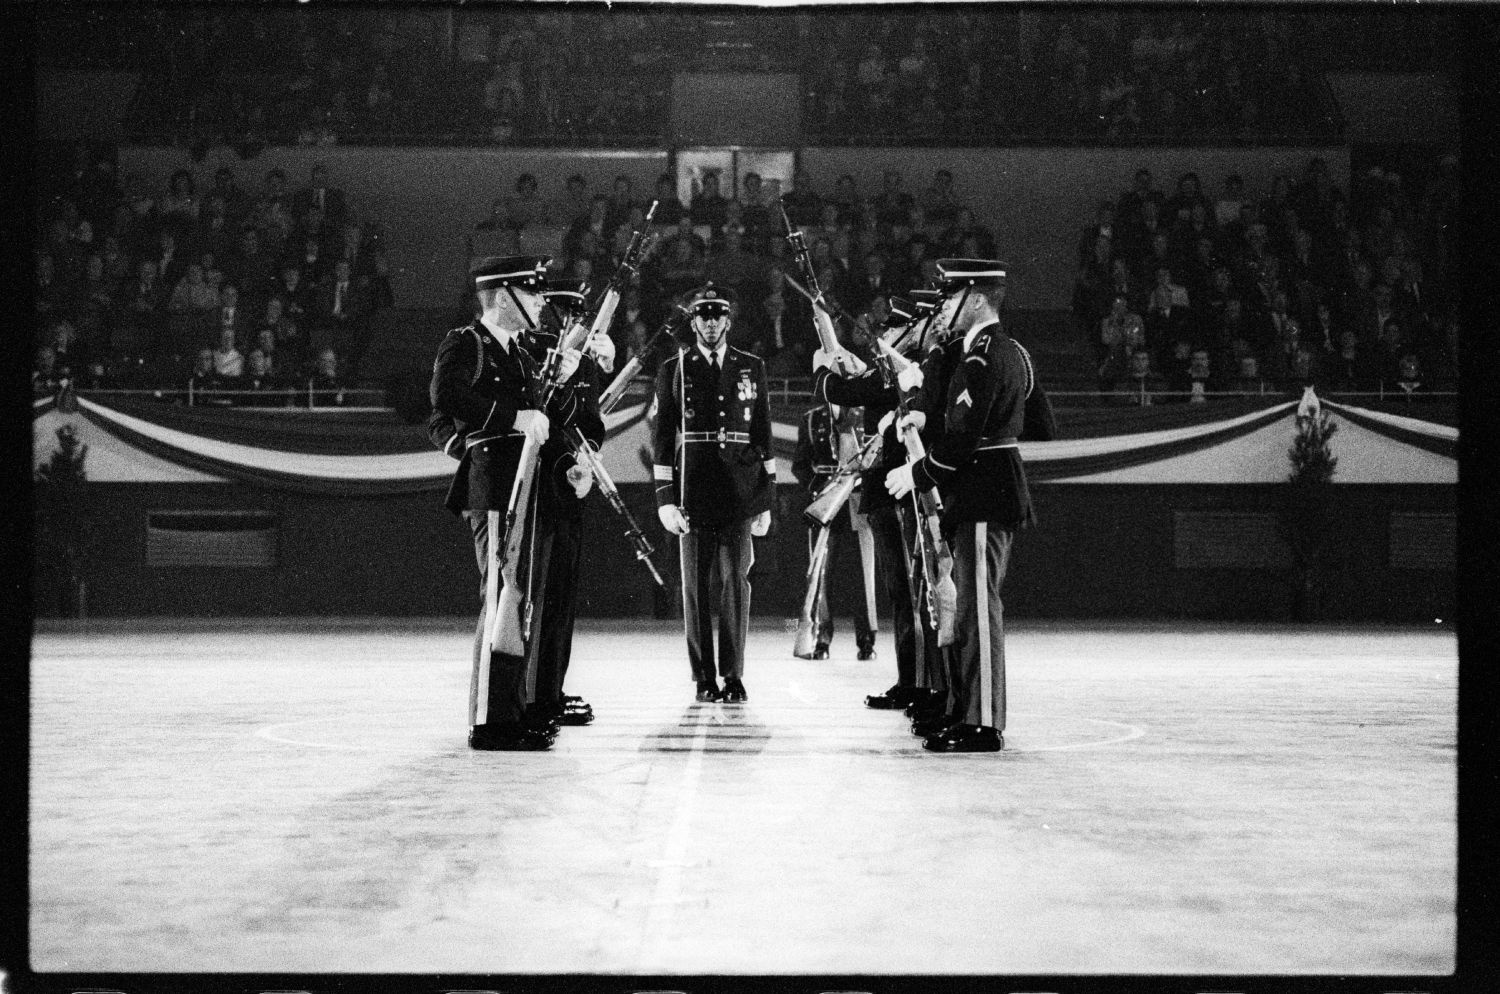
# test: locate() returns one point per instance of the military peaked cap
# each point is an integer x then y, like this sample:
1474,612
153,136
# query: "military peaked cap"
710,300
902,311
923,301
527,272
567,293
957,273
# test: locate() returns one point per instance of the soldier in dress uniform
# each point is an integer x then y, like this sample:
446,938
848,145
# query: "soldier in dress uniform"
829,436
920,670
564,484
715,477
976,465
484,407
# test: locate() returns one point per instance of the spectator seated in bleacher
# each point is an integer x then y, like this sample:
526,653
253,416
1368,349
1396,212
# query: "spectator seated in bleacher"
325,386
1142,385
265,388
1247,378
229,362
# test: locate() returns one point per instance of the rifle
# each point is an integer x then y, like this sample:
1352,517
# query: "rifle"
822,310
932,550
806,640
831,496
508,627
630,262
824,508
616,389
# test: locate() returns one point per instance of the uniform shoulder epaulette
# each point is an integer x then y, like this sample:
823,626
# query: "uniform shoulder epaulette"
672,358
747,355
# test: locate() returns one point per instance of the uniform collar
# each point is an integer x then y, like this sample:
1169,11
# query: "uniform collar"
722,352
507,339
975,332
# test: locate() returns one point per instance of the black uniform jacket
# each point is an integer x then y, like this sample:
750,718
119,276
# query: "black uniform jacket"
870,390
980,397
477,389
713,452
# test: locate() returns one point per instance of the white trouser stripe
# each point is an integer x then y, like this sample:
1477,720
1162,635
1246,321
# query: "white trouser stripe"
982,609
867,559
491,604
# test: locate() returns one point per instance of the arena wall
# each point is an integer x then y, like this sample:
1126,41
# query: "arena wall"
1100,551
1034,199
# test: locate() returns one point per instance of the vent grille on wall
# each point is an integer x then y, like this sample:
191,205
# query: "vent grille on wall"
1423,540
1227,540
211,538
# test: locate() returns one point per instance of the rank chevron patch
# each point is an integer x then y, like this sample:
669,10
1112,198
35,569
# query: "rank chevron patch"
964,398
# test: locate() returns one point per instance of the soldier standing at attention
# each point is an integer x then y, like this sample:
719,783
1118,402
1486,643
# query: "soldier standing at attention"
484,407
976,465
715,477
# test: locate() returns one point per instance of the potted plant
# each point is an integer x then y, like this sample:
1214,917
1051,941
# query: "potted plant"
1307,514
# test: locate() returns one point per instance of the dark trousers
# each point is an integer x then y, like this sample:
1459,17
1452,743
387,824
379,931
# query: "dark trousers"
726,552
505,682
891,557
864,621
560,595
981,553
930,662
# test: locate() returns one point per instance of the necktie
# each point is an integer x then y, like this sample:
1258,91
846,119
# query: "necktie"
713,364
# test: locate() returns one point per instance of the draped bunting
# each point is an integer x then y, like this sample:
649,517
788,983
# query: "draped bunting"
371,453
1438,439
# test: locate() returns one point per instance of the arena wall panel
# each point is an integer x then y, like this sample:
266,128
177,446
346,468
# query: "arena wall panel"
1099,551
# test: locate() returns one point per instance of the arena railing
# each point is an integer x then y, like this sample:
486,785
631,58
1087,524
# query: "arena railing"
301,398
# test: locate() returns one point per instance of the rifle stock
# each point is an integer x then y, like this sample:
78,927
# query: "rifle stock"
511,620
937,558
831,498
806,640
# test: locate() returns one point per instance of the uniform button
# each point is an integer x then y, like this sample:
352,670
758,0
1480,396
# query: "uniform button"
721,396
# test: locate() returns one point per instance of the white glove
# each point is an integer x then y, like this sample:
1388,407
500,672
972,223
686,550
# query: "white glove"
909,378
898,482
568,365
533,424
914,419
822,360
672,519
885,422
761,524
581,480
602,348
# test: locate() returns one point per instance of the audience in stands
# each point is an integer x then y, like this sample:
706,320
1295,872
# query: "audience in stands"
135,294
1314,286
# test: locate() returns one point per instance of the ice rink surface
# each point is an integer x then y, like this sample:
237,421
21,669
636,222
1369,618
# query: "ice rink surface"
297,796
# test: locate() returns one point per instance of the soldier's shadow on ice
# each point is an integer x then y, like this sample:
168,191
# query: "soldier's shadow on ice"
711,728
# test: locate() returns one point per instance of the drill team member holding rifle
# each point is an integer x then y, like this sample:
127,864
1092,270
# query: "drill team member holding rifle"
976,465
715,477
484,391
564,484
920,666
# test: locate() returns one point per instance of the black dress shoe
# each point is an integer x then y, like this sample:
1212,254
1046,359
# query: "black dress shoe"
866,652
933,724
894,699
570,714
921,698
509,737
541,717
734,692
708,691
966,738
820,651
